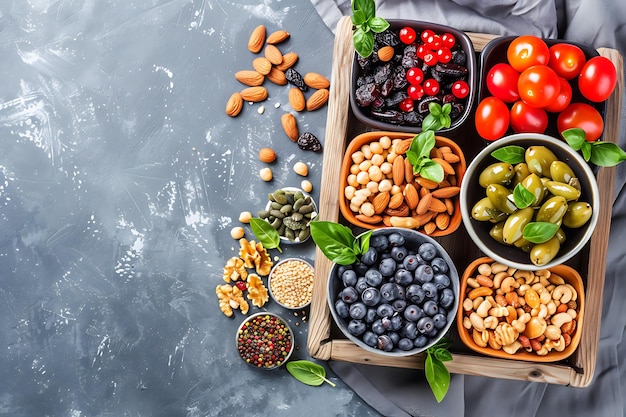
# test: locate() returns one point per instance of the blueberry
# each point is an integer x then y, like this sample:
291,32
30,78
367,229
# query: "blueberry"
432,333
399,253
370,338
425,325
361,284
396,239
441,281
373,277
360,268
377,327
380,242
413,312
356,327
415,293
401,292
349,295
385,343
394,336
430,289
398,305
431,308
358,310
405,344
424,273
341,308
370,316
409,330
439,265
403,277
427,251
440,320
447,298
384,310
370,296
420,341
370,257
387,267
389,291
396,322
349,278
410,262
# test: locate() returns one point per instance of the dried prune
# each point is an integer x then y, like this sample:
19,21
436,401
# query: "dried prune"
399,78
383,73
422,106
386,87
309,142
295,78
390,116
459,57
366,94
386,37
409,58
412,118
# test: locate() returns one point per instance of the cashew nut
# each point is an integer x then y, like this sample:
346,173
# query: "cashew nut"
560,319
491,322
556,279
477,322
552,332
483,309
522,289
512,348
508,284
499,311
478,338
562,293
498,267
574,293
528,276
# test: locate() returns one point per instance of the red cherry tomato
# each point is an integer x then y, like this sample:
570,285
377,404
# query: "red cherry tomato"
527,50
492,118
407,105
528,119
566,60
597,79
448,40
444,55
427,36
407,35
431,87
538,85
583,116
460,89
415,75
563,99
502,82
415,92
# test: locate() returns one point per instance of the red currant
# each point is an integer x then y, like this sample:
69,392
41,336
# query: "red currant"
241,285
431,87
430,58
415,92
427,36
407,35
448,40
415,75
421,51
460,89
407,104
444,55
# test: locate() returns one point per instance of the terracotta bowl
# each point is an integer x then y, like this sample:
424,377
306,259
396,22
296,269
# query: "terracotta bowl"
366,138
570,276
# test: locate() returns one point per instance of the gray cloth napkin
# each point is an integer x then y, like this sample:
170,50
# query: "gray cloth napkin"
403,393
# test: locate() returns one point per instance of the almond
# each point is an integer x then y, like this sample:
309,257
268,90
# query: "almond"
447,168
426,183
442,221
386,53
289,59
277,76
446,192
429,228
296,99
395,201
234,105
254,94
290,126
402,211
317,99
437,205
410,196
316,81
381,201
397,170
449,205
375,219
424,203
267,155
409,176
424,218
249,77
402,146
257,39
277,37
262,65
273,54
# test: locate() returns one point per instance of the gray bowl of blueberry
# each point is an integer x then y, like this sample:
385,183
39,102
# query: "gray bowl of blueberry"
400,297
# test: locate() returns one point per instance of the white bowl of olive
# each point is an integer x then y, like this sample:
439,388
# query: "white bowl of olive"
529,201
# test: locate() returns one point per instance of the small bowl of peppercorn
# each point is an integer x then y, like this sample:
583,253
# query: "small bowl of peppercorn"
265,341
290,283
413,64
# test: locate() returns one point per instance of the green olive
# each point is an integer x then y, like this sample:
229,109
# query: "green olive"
534,184
564,190
521,172
484,210
578,213
499,196
496,231
523,244
542,253
560,171
560,234
539,159
496,173
552,210
514,224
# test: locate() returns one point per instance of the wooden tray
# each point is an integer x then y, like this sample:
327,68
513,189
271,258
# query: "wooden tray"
325,342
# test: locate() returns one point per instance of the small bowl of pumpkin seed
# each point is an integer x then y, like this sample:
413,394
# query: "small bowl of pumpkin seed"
289,211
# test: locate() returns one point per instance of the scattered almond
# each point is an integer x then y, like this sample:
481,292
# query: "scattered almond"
316,81
296,99
289,59
249,77
386,53
277,37
234,105
317,99
267,155
254,94
290,126
257,39
277,76
273,54
262,65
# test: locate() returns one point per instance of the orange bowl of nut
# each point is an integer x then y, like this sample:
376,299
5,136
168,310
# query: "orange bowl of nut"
518,314
379,186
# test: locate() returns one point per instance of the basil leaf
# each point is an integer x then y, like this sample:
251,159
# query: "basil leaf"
308,372
443,354
430,123
358,17
366,6
539,232
412,157
606,154
431,170
423,143
378,24
335,240
265,233
511,154
365,241
586,150
522,197
437,376
363,42
575,137
434,109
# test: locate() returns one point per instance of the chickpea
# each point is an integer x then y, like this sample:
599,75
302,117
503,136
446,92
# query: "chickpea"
367,152
376,148
245,216
385,142
266,174
385,185
358,157
237,232
378,159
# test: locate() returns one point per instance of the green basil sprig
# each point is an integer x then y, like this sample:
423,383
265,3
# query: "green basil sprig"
265,233
522,196
539,232
308,372
366,23
512,154
337,242
600,153
437,374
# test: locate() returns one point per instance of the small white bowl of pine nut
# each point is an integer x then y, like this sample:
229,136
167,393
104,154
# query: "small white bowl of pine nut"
290,283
